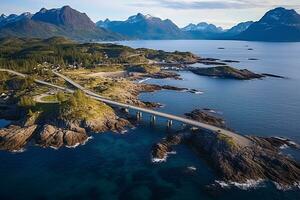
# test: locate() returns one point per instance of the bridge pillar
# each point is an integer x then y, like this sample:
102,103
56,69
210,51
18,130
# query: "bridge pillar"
169,123
139,115
152,119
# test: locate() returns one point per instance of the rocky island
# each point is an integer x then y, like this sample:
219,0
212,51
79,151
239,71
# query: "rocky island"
227,72
234,160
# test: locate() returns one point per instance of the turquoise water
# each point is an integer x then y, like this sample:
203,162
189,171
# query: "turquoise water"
113,166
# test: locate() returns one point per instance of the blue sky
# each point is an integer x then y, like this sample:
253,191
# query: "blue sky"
220,12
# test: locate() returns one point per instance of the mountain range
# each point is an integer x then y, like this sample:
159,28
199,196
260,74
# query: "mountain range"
64,21
277,25
143,27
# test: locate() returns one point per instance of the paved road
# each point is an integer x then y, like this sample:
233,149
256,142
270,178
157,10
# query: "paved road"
241,140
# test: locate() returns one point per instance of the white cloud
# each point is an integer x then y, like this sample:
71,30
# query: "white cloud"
220,12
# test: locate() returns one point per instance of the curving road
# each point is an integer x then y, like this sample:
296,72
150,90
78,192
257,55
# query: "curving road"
241,140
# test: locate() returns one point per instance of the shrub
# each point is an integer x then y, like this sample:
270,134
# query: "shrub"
26,101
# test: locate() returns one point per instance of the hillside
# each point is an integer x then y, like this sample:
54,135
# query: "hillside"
64,21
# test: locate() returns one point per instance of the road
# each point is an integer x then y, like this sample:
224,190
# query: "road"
241,140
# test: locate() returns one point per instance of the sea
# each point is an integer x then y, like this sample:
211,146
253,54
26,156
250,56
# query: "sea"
119,166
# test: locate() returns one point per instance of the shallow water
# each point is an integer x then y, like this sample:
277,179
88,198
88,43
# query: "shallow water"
113,166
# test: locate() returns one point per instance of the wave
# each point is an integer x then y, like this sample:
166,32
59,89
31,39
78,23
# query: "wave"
80,144
249,184
19,151
143,80
164,159
278,186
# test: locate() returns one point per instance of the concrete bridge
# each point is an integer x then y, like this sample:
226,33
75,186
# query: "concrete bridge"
153,113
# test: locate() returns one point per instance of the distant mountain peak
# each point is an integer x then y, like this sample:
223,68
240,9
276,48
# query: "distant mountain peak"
138,17
65,16
46,23
202,26
43,10
143,27
66,7
239,28
281,15
278,24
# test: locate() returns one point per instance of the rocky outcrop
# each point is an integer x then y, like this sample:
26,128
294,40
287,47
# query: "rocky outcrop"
227,72
161,149
164,75
14,138
206,117
262,160
51,136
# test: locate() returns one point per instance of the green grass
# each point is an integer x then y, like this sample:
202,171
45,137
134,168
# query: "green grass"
227,139
81,107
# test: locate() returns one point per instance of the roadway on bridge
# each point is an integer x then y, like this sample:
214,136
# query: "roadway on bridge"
241,140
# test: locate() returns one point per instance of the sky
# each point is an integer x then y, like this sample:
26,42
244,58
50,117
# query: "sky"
225,13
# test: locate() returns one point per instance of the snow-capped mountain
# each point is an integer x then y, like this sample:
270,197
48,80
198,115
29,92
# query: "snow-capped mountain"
203,26
143,27
4,20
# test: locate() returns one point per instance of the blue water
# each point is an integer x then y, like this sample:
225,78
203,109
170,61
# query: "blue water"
113,166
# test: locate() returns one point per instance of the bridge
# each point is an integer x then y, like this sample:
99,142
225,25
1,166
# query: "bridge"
207,127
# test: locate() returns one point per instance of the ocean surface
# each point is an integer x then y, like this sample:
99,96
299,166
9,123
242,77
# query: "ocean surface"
113,166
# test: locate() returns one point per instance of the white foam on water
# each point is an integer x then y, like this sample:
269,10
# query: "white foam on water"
244,186
284,146
19,151
192,168
159,160
78,144
164,159
287,187
55,148
143,80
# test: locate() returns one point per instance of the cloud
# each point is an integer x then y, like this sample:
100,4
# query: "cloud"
185,5
211,4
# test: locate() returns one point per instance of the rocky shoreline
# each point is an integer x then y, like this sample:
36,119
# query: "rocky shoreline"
232,162
56,132
227,72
